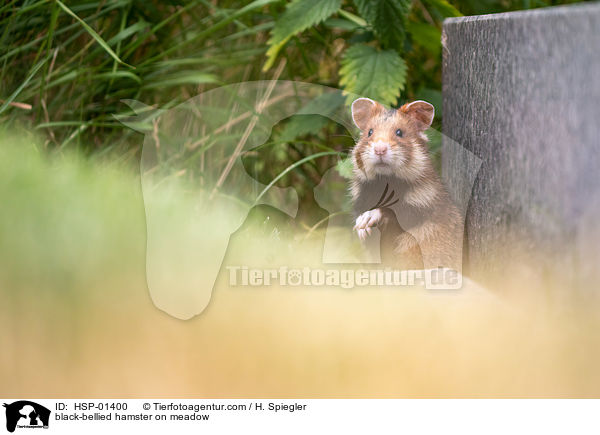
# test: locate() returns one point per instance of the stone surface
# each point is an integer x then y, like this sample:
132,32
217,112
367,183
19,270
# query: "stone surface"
522,92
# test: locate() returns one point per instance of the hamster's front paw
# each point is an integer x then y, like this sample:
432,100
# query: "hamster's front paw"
366,221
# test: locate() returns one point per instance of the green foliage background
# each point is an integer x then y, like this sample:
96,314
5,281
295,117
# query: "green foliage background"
66,65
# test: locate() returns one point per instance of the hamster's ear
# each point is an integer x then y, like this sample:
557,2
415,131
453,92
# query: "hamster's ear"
422,111
363,109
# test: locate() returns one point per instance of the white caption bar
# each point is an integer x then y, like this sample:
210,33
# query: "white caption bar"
220,416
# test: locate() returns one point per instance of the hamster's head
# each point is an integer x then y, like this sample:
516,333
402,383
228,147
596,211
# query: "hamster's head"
392,141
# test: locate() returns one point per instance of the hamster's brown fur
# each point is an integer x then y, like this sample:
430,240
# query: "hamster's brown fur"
396,188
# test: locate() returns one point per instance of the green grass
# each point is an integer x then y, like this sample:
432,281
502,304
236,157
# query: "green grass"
74,62
67,66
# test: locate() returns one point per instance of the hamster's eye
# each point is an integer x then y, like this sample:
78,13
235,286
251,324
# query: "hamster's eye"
399,133
370,132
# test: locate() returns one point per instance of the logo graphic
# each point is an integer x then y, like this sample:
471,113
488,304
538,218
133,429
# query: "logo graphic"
26,414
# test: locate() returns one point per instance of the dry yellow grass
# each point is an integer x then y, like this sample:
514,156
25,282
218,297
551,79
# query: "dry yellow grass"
296,343
77,320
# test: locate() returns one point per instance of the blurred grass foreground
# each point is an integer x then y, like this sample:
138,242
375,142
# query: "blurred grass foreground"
77,319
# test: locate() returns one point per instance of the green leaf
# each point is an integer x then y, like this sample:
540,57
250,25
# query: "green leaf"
387,18
444,8
134,29
112,75
182,78
427,36
343,24
377,74
93,34
354,18
299,16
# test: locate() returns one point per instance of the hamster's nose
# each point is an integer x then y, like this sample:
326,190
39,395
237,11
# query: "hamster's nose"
380,148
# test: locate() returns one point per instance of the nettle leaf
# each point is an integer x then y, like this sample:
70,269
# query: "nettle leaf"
377,74
299,16
387,18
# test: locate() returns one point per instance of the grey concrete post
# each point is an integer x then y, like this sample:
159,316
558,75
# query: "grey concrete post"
521,91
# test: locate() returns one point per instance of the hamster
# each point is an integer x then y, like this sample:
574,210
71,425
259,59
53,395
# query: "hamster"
396,188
